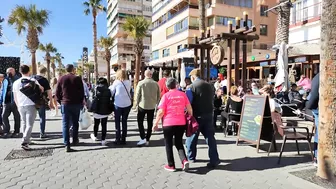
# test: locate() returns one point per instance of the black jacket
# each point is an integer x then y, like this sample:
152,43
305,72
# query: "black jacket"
294,95
103,96
203,94
314,93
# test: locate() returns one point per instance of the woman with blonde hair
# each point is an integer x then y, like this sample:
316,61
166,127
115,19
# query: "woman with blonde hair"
121,90
234,105
53,84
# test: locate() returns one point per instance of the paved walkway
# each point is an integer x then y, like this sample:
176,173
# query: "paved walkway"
94,166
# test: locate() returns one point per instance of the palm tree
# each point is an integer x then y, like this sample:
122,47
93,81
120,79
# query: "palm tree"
33,21
137,28
1,20
48,48
53,65
282,31
107,43
327,112
58,58
201,9
94,7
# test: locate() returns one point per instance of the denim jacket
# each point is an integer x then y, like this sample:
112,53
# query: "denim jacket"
4,89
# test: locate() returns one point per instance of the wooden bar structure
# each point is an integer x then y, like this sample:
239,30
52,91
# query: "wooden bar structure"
239,34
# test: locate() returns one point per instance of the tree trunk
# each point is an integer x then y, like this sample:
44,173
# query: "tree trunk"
108,72
33,60
282,31
95,49
201,8
53,70
48,67
327,103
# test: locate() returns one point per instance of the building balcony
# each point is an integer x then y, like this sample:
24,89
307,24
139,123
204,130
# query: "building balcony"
182,30
175,13
308,14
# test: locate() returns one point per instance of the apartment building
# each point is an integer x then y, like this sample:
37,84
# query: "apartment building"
176,22
123,48
305,26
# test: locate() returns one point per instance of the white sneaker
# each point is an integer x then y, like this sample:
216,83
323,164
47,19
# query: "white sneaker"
297,112
142,142
93,137
103,142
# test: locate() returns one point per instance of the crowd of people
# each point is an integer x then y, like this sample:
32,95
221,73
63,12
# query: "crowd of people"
28,95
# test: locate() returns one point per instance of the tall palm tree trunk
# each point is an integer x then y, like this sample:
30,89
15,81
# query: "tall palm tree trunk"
53,70
33,62
327,111
95,48
48,68
201,8
137,69
282,31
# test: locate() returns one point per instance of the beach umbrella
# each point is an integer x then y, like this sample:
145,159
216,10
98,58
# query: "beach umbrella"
160,73
183,75
281,78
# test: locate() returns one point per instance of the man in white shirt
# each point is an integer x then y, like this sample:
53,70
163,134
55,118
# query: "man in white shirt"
25,105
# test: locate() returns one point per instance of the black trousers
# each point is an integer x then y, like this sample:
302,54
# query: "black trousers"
103,122
300,105
7,110
215,114
176,132
141,118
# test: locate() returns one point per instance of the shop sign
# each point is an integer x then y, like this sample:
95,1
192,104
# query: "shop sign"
263,63
300,59
273,62
217,54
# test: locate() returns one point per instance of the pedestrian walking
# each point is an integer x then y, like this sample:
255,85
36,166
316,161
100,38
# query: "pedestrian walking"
102,109
8,104
162,82
172,109
70,94
26,102
2,77
200,95
54,99
47,96
148,96
121,89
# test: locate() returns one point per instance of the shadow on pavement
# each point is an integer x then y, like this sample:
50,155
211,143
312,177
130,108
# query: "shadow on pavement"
251,163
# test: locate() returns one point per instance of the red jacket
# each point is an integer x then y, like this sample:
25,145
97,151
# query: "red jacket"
163,87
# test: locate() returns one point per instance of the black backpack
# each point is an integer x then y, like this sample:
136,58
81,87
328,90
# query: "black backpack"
32,91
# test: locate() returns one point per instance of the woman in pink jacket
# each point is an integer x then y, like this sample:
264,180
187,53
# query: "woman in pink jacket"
172,109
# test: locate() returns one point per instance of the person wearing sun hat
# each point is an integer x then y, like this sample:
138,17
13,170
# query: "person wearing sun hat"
200,95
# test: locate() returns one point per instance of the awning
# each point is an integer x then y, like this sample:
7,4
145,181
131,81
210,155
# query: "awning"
185,54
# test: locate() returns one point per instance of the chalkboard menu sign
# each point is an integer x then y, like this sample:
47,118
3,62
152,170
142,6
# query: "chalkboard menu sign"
252,117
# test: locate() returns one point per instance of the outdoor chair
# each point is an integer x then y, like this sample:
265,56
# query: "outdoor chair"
289,133
234,118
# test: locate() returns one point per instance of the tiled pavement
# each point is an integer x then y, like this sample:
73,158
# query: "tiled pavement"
94,166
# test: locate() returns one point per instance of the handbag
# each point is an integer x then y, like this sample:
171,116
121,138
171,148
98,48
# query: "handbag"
192,125
129,96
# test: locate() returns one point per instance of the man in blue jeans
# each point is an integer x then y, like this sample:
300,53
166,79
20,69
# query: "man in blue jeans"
46,95
312,104
200,95
70,94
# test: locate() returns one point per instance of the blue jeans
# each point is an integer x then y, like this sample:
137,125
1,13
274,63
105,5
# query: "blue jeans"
42,115
121,114
316,117
208,131
70,116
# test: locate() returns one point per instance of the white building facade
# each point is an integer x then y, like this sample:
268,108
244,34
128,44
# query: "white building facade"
117,10
305,26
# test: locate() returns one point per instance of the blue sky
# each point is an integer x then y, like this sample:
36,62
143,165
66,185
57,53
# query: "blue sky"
69,29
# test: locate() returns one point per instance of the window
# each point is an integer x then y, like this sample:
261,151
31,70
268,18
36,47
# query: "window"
263,46
211,21
263,8
193,21
221,20
155,54
239,3
170,30
165,52
263,29
180,48
146,47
